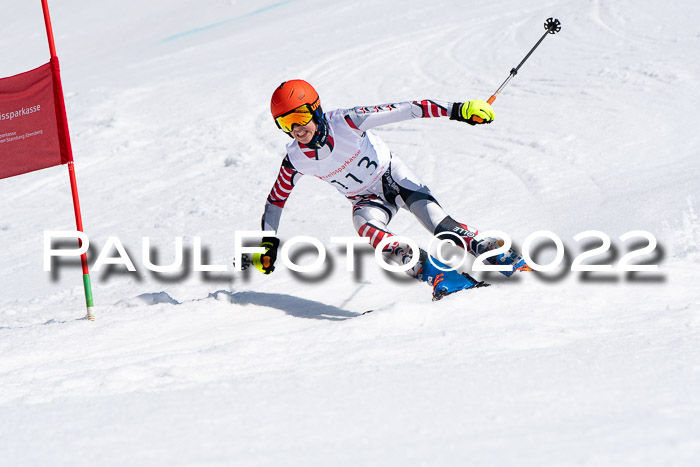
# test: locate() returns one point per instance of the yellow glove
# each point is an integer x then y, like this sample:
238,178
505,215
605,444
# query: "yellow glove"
265,262
469,110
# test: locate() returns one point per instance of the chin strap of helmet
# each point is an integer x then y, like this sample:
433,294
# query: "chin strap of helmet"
321,136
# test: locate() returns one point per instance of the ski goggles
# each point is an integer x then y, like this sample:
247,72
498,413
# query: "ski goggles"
301,116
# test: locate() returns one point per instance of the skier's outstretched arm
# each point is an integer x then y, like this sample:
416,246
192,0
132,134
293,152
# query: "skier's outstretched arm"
286,179
365,118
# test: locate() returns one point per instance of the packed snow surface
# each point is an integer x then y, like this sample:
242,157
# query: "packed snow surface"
168,109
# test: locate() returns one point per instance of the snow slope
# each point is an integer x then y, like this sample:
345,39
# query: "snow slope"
167,104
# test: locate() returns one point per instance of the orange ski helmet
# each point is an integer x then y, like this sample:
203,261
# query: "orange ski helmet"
295,102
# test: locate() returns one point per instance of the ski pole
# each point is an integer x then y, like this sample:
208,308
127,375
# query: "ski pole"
552,26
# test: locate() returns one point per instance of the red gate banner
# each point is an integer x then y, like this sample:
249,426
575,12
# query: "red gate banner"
32,133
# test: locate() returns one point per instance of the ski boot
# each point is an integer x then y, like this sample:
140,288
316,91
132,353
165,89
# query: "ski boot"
445,282
507,259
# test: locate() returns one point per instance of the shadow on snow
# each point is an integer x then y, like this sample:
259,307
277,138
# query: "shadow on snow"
294,306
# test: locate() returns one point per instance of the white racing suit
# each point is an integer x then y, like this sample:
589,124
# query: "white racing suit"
376,181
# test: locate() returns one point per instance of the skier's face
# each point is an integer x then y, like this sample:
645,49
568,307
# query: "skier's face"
304,134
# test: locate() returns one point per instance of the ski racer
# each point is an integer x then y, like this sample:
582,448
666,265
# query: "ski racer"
339,148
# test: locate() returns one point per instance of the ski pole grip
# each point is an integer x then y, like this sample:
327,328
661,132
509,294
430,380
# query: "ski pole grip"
491,99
